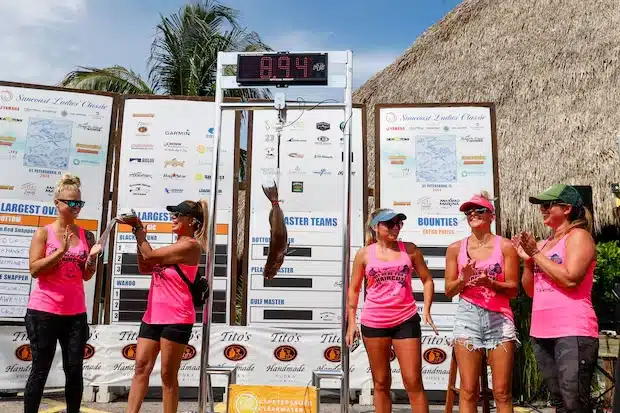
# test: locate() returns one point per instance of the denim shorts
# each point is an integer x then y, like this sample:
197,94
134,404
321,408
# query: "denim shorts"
478,328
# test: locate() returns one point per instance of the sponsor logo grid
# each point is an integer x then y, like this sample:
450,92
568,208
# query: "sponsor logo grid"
43,134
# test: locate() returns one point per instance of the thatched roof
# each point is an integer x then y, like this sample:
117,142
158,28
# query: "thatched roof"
553,70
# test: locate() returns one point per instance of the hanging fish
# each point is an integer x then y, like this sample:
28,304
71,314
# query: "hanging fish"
278,243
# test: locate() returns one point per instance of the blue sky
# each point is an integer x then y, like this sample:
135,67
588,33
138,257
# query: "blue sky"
44,39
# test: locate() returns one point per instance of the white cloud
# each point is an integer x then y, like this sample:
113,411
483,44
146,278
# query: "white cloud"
33,47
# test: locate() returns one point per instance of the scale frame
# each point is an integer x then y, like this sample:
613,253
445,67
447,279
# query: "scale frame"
224,80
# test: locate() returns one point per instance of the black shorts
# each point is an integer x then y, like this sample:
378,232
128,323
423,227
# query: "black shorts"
408,329
179,333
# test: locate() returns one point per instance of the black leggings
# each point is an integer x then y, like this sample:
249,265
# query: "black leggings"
44,330
567,365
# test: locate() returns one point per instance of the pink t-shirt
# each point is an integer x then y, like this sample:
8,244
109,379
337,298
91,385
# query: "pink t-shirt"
170,300
389,297
560,312
60,290
494,265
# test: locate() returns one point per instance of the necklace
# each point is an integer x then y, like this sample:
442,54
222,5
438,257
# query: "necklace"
481,242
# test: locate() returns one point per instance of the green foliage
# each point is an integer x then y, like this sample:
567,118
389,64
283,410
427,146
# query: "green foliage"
606,275
526,379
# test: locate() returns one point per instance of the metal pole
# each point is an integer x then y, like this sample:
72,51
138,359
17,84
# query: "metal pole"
205,390
346,235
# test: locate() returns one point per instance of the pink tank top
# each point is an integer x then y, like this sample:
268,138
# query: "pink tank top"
60,290
170,300
559,312
494,265
389,297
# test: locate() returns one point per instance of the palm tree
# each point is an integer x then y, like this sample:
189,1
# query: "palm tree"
183,58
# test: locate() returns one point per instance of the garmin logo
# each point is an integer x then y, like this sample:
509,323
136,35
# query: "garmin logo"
177,133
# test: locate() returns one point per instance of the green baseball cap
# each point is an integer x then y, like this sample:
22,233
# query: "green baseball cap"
559,192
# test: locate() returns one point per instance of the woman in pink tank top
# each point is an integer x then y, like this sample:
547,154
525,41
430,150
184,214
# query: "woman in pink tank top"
390,316
62,256
170,313
558,274
484,270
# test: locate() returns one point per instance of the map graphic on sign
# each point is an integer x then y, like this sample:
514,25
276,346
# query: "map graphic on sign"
436,159
48,143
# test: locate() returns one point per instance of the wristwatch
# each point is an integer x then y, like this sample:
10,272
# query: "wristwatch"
136,229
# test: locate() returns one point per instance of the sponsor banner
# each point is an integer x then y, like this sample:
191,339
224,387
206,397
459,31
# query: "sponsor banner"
16,360
263,356
443,156
44,134
166,158
310,187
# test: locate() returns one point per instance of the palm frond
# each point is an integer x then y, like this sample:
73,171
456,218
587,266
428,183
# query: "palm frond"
116,79
183,57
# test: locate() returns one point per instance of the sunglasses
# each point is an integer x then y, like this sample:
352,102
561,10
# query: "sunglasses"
550,204
478,211
73,203
177,215
392,224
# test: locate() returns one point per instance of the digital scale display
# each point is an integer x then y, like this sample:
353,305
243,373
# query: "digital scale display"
282,69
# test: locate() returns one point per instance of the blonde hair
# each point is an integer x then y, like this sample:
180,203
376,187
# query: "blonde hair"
202,233
67,181
371,237
485,195
581,217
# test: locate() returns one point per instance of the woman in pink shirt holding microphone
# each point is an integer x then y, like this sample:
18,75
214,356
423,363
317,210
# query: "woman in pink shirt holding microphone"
170,314
558,274
390,315
484,270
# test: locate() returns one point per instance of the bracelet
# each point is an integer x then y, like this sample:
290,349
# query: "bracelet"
90,263
136,229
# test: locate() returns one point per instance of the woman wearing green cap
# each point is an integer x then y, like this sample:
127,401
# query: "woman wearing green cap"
558,274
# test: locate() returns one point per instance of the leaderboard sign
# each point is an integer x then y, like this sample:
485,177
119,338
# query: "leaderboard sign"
166,157
443,155
308,288
45,133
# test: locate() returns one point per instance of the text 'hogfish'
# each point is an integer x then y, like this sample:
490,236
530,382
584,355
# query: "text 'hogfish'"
278,243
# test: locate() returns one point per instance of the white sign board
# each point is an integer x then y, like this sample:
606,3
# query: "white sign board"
166,157
442,156
43,134
307,290
263,356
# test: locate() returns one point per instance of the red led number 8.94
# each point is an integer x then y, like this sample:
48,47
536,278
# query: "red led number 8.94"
283,67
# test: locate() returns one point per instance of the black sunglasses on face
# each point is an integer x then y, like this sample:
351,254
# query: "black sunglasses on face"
73,203
478,211
549,204
392,224
177,215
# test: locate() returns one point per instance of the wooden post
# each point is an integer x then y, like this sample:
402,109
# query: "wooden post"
453,391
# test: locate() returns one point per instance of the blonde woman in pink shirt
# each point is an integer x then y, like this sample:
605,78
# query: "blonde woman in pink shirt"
390,316
62,256
484,270
558,274
170,314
